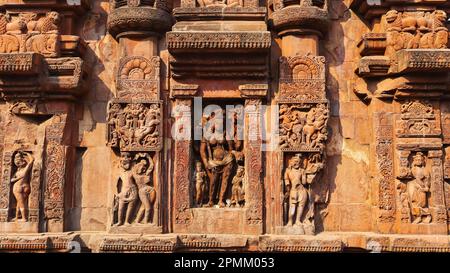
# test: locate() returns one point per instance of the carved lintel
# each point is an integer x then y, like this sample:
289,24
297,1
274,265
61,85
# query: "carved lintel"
254,90
180,91
21,64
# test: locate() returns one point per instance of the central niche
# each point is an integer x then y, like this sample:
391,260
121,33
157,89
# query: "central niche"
219,167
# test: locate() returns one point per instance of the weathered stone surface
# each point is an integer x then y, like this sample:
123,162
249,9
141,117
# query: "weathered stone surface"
206,125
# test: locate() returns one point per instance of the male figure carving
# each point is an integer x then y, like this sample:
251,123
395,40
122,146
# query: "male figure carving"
295,191
128,193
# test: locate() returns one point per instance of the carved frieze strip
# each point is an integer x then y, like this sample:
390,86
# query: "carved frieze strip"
218,40
230,4
24,243
420,146
161,4
58,78
223,13
254,90
297,244
421,60
140,244
21,63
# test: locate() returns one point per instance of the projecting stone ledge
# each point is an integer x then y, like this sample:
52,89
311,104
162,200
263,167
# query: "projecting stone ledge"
323,242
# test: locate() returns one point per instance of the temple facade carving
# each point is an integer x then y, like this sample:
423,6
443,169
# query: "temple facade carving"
224,125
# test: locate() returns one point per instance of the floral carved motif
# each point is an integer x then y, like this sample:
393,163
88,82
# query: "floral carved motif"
138,78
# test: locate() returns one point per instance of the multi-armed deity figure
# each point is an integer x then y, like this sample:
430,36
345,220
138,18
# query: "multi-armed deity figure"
418,189
296,193
21,181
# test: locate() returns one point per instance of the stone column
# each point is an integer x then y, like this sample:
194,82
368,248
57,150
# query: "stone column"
301,90
138,26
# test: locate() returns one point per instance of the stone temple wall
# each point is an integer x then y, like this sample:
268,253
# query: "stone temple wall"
202,125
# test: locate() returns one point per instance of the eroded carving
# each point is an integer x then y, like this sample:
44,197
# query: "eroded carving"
415,188
134,126
417,119
23,162
138,78
302,171
30,32
220,154
136,194
303,126
413,30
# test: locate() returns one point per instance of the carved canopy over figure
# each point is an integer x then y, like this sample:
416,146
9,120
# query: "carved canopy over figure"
21,183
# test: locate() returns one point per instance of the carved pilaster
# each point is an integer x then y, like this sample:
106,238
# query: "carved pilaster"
254,214
182,215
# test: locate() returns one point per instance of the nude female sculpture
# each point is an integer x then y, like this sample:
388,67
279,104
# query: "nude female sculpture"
21,181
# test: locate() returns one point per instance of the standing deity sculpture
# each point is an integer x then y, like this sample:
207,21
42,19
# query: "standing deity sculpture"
217,156
127,191
418,189
146,191
21,184
296,194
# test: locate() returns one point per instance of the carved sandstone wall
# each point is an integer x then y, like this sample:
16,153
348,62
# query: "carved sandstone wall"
100,105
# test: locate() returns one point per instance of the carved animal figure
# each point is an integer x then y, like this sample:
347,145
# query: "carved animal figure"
47,24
